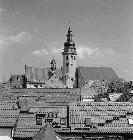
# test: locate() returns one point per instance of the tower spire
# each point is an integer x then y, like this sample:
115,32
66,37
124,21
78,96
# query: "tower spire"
69,34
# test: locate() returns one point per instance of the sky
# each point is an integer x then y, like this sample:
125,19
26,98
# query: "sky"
32,32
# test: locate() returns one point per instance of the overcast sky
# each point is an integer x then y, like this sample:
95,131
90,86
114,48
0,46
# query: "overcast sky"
32,32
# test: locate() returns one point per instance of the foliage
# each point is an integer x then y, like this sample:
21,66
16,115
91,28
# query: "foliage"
104,88
118,86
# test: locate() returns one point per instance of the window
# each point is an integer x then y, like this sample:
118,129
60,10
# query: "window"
36,86
74,58
100,124
66,57
71,79
87,121
63,121
48,120
130,121
67,64
39,121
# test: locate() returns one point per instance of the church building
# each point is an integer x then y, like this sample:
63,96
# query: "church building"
77,77
69,76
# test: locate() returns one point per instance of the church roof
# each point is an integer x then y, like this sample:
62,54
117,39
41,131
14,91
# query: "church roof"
97,73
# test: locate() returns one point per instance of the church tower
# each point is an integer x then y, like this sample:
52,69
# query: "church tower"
53,65
69,61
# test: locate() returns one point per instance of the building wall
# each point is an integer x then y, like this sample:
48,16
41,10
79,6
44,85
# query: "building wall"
69,70
5,134
100,117
17,81
36,74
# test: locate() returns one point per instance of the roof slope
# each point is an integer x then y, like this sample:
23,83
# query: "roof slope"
46,133
8,113
26,126
97,73
102,117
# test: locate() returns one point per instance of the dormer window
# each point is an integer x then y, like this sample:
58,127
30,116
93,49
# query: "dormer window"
63,121
87,121
38,120
130,121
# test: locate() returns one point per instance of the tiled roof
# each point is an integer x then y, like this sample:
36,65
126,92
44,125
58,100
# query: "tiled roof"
39,92
48,95
26,126
105,117
97,73
26,123
8,113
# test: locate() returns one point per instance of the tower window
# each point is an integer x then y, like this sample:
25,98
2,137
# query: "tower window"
67,64
72,57
66,57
